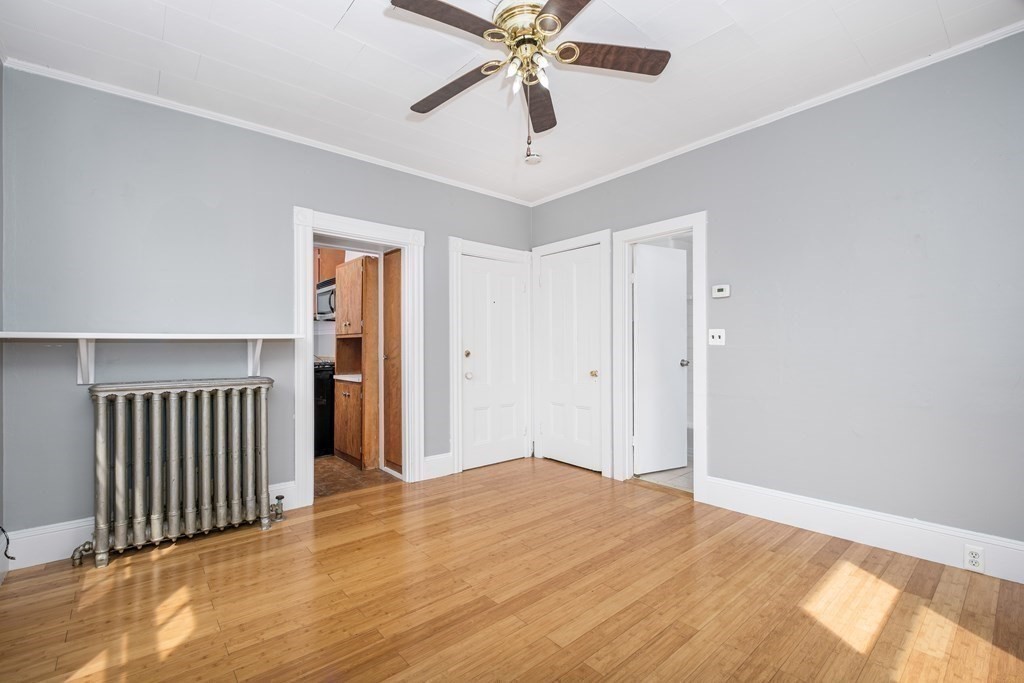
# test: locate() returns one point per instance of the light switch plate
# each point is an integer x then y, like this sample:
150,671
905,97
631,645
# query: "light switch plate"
716,337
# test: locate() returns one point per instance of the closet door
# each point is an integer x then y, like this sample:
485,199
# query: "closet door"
495,331
567,381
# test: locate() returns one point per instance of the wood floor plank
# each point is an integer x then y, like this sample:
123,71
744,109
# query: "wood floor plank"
972,646
529,570
1008,636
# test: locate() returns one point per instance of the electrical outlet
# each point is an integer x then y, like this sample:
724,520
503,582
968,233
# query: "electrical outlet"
716,337
974,558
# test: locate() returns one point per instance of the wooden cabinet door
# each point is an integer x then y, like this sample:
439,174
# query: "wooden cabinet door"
330,259
392,349
349,299
348,420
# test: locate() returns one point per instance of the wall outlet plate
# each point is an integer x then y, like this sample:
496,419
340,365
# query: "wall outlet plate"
974,558
716,337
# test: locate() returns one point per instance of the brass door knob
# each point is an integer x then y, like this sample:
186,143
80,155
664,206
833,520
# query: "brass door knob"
593,373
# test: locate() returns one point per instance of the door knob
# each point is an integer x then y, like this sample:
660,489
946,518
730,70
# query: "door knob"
469,375
684,363
593,373
467,354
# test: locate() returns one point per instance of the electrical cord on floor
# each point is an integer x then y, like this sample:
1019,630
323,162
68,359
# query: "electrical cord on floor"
7,544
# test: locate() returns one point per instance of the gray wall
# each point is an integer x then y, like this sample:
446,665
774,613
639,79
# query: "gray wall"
123,216
874,332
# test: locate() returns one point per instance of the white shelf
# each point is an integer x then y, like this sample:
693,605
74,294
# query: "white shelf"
87,344
141,336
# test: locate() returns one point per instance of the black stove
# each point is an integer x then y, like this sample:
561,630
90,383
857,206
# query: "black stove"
323,407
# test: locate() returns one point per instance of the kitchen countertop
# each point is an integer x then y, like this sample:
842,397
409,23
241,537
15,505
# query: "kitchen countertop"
349,378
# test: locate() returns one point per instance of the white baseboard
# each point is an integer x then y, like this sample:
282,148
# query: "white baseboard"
440,465
53,542
1004,557
289,490
49,543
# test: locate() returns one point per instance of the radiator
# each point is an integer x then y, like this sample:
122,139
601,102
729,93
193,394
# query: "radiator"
177,459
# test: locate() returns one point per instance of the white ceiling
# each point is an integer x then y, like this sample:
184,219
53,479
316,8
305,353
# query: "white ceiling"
344,72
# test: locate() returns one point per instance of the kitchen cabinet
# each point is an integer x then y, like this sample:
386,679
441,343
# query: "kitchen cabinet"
348,421
325,263
357,353
356,296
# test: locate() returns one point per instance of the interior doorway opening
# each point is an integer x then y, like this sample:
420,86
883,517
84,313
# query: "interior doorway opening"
357,374
341,232
660,354
353,379
662,295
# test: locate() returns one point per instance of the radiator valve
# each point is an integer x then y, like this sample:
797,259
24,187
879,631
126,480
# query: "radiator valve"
277,509
82,550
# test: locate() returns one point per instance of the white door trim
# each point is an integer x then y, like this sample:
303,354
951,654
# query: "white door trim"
622,347
457,248
306,223
603,239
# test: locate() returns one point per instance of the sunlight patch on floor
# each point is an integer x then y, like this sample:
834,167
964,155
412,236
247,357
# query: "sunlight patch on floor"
176,622
857,624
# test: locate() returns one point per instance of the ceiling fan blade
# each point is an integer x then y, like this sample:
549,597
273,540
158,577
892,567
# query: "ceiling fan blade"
439,97
565,10
542,111
447,14
635,60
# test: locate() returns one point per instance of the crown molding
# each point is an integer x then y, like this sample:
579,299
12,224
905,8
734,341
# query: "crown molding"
896,72
864,84
56,74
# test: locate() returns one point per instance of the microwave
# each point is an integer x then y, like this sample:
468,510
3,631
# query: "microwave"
326,300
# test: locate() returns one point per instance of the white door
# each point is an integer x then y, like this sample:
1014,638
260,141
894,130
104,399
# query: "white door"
660,363
495,338
567,358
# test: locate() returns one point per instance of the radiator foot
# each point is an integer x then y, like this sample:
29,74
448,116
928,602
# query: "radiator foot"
101,560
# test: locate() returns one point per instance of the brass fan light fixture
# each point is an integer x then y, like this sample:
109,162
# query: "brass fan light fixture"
525,27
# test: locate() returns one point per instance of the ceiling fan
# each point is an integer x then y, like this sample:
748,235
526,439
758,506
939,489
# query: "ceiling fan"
524,27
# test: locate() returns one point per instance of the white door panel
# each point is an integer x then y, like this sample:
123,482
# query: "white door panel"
567,357
659,345
495,334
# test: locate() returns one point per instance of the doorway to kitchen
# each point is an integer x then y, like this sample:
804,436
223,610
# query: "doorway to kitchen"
355,382
660,352
359,356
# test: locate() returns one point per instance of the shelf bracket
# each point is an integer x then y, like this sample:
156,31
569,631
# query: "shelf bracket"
255,352
86,361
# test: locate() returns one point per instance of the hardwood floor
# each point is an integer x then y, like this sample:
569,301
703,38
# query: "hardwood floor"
528,570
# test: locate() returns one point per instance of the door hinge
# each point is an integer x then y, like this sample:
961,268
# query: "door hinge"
533,449
632,278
